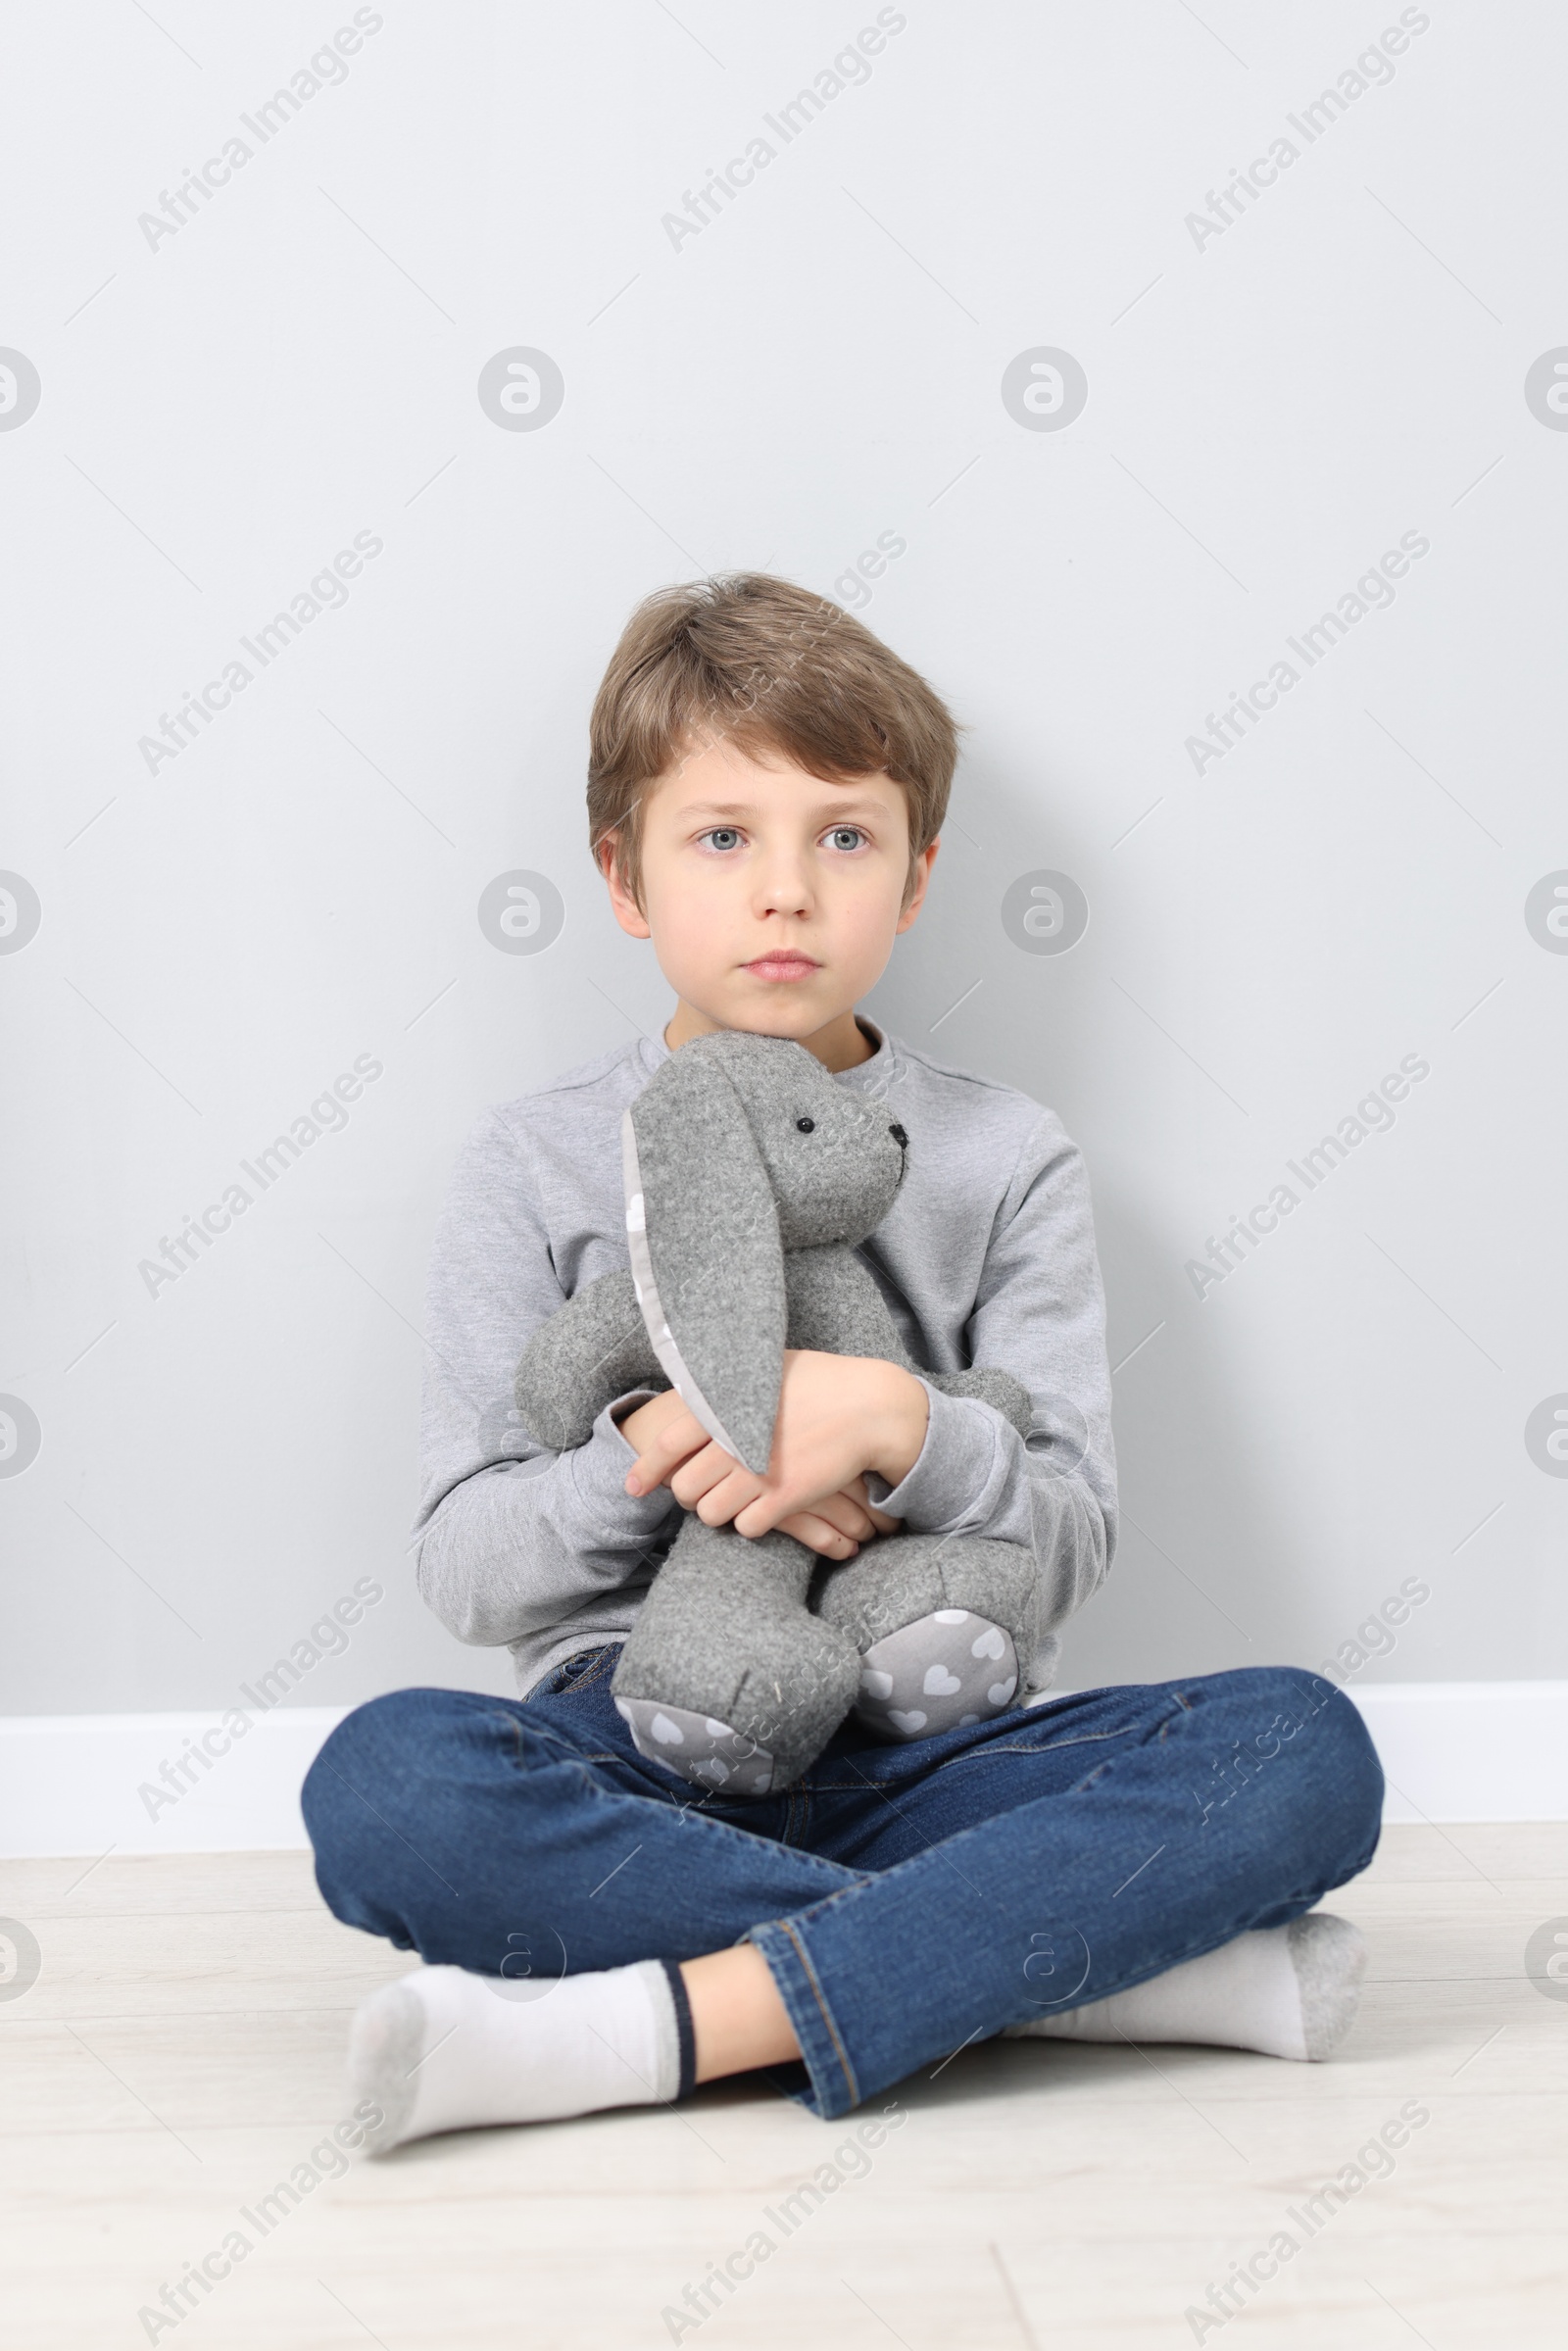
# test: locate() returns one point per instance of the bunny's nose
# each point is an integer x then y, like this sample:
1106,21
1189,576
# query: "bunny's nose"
898,1134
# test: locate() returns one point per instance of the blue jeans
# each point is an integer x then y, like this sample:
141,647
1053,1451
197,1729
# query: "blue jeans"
908,1899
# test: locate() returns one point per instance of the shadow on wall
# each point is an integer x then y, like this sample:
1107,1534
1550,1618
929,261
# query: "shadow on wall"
1204,1555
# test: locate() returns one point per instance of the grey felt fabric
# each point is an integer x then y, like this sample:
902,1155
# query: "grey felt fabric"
725,1634
597,1347
902,1579
746,1150
835,1306
593,1349
749,1177
987,1254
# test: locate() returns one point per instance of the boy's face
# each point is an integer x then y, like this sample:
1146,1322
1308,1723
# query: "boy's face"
772,896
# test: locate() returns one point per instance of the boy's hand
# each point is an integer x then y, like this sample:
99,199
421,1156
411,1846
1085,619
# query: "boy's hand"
666,1435
838,1417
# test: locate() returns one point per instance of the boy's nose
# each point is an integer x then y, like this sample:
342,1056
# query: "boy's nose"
898,1134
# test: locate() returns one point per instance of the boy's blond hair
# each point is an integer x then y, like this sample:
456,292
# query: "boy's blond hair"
775,669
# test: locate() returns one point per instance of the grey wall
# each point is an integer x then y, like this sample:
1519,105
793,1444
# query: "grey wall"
1271,406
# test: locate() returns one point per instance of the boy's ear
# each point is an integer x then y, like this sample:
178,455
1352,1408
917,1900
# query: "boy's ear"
919,884
623,902
701,1228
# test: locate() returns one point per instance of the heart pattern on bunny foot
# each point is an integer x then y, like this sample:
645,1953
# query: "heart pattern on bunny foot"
943,1672
697,1747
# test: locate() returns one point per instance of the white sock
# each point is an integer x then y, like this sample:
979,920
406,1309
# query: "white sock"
1289,1991
443,2049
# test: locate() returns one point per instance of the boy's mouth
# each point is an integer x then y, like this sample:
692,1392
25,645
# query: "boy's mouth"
782,966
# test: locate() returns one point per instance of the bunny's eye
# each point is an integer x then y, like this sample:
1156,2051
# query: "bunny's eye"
807,1126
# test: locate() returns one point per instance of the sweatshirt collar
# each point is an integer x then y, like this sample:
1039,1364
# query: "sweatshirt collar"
872,1077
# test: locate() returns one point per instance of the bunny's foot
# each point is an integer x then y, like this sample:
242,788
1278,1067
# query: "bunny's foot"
726,1678
944,1625
946,1670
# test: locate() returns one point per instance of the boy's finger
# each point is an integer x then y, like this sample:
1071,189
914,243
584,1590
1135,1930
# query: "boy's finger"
761,1513
712,1466
695,1480
880,1522
723,1495
855,1519
645,1473
681,1437
819,1535
665,1452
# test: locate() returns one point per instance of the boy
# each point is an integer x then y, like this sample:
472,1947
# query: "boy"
766,787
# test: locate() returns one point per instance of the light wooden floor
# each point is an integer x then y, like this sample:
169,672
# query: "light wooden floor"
180,2053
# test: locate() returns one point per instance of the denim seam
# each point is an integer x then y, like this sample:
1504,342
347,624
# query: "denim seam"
786,1928
602,1664
864,1879
566,1753
978,1755
827,2013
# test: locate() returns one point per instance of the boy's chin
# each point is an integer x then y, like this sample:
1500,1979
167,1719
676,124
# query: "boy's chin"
765,1010
776,1006
772,1018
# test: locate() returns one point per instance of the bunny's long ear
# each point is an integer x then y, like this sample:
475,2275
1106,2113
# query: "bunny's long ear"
701,1228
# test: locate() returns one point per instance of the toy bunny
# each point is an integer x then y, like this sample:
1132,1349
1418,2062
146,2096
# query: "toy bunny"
750,1176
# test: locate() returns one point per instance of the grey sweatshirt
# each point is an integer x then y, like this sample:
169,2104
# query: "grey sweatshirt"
986,1256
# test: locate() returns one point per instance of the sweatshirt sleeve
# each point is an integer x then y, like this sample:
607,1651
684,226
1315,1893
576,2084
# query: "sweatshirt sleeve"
510,1536
1040,1313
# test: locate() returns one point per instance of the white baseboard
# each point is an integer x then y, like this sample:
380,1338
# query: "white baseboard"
91,1783
1470,1750
76,1783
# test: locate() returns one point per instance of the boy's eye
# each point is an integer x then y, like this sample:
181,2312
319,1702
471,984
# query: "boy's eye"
723,838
